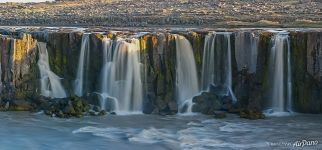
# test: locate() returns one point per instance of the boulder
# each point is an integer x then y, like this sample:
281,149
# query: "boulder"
206,103
219,114
251,114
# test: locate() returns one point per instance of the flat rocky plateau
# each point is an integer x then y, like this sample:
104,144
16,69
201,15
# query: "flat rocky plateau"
165,13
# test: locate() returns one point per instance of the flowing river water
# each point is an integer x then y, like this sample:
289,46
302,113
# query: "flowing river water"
21,130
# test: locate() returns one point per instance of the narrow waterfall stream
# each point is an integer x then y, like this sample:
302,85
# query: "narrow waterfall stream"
229,82
208,65
121,76
217,63
50,82
246,49
79,82
281,71
107,58
187,79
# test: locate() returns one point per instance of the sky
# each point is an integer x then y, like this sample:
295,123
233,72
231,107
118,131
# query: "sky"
23,1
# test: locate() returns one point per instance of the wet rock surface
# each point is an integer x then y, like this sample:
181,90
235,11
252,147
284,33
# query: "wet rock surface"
70,107
20,76
206,103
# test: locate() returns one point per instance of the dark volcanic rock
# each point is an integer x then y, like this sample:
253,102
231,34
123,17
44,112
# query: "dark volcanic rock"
206,103
219,114
65,108
251,114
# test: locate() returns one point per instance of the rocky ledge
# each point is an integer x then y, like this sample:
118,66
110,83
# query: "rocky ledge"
20,76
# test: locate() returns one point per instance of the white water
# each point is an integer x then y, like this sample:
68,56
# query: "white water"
246,47
186,79
213,58
50,82
208,65
229,82
107,58
20,130
79,82
121,76
281,84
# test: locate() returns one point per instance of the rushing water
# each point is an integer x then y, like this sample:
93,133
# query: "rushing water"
49,81
83,58
208,65
217,63
281,79
140,132
246,47
107,58
187,79
121,76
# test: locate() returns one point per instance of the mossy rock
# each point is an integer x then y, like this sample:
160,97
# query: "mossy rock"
220,114
251,114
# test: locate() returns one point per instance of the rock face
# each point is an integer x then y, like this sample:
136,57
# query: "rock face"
250,82
250,87
158,56
307,63
19,73
207,103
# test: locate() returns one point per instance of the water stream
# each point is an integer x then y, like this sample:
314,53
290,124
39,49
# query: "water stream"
83,58
121,76
145,132
217,63
187,79
281,74
50,83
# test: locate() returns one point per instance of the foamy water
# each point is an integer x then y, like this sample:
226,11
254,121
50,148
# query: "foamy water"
140,132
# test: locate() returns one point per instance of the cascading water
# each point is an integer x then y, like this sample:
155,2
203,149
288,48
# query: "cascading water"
79,82
121,76
217,67
50,82
208,65
187,80
246,47
229,82
281,84
107,59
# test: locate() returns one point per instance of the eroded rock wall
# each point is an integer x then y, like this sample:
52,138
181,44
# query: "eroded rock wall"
19,72
20,77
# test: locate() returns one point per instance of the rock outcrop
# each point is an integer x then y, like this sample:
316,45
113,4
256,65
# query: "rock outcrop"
20,75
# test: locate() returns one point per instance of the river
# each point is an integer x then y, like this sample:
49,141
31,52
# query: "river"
21,130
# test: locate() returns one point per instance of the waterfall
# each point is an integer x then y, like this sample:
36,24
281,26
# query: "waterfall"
50,82
281,84
229,82
107,59
79,82
121,76
246,47
208,65
289,76
186,74
217,64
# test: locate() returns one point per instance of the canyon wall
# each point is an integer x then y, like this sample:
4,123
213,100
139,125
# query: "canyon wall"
251,83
